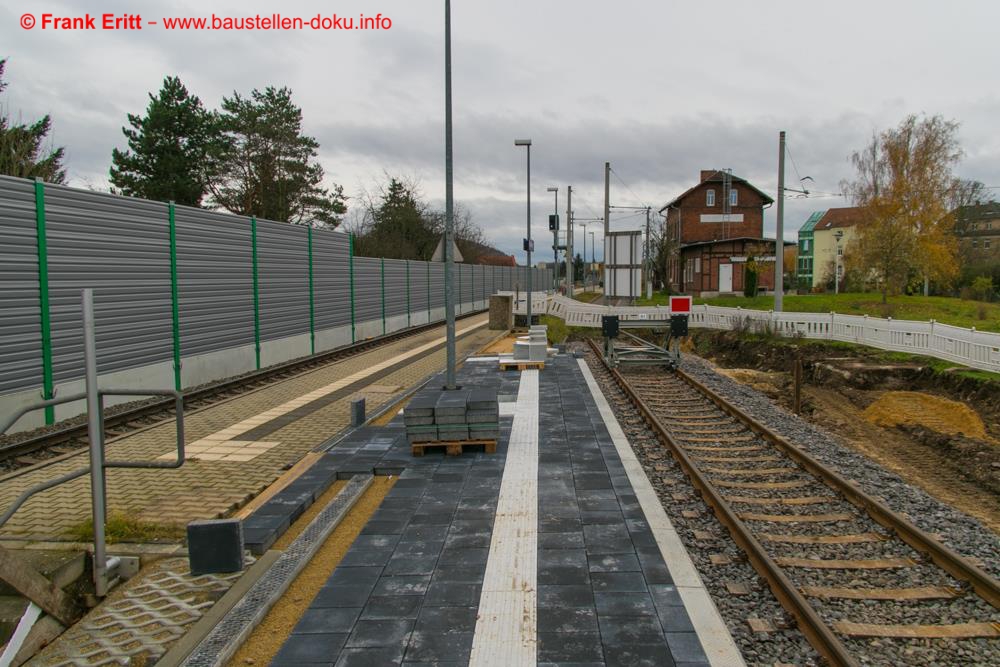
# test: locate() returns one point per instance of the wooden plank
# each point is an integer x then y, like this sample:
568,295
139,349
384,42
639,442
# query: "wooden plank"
722,438
796,518
706,448
955,631
750,472
843,564
453,447
823,539
801,500
34,586
793,484
737,459
916,593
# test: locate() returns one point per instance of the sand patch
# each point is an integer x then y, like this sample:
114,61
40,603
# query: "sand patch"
912,408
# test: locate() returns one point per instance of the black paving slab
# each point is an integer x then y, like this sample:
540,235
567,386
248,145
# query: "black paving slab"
408,589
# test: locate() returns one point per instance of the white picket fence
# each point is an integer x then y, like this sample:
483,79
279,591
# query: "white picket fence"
976,349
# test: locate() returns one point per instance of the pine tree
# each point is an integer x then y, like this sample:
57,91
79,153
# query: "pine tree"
21,147
267,164
171,149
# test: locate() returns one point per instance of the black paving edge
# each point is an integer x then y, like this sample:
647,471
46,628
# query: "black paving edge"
226,638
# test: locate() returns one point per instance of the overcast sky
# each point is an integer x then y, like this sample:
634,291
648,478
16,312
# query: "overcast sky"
659,89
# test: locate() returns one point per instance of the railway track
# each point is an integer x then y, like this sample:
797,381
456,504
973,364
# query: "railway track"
852,573
45,445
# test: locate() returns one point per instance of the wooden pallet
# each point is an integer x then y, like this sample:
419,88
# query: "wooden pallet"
453,447
521,365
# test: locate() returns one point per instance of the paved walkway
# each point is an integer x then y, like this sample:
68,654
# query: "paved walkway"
441,574
273,427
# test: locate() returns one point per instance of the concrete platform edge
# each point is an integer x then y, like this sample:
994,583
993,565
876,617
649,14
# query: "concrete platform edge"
715,638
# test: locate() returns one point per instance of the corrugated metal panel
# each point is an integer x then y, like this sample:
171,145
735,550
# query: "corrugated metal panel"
119,247
418,287
367,289
395,287
332,279
215,280
283,274
467,283
437,285
20,337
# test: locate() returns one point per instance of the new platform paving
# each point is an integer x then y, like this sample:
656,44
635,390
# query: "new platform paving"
408,590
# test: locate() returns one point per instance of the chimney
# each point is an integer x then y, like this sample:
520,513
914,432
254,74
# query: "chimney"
707,174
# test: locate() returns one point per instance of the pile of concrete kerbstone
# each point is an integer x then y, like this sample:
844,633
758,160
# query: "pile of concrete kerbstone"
438,415
534,346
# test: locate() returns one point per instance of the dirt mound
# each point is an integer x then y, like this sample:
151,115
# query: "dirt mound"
911,408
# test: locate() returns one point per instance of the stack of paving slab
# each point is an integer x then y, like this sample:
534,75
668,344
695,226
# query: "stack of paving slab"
534,346
452,416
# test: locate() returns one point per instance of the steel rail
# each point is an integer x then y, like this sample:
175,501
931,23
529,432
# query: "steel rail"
78,431
815,630
944,557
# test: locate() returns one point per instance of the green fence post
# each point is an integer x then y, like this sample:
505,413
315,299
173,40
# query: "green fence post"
175,313
256,290
458,301
383,295
428,292
312,302
41,239
350,266
408,322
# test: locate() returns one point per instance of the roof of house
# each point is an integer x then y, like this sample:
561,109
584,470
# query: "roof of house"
839,217
685,246
977,212
808,225
717,177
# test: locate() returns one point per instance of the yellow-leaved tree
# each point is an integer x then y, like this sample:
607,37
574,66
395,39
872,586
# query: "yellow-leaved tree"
904,184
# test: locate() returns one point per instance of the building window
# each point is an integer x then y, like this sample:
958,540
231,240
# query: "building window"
986,244
710,198
733,198
697,264
840,251
805,245
975,243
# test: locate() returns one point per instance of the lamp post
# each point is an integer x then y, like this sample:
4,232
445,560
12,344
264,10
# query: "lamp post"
527,242
839,234
555,242
449,208
584,225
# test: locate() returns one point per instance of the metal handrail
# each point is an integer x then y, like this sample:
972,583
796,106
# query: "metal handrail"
94,397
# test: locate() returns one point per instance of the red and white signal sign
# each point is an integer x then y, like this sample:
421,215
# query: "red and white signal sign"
680,304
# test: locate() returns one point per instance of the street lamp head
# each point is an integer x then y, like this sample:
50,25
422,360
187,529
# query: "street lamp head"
522,142
552,189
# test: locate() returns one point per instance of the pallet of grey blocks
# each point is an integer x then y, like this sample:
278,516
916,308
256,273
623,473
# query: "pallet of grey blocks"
437,416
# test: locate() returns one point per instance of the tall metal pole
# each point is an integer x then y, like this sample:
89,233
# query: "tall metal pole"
779,241
570,277
593,278
584,257
449,208
648,263
529,234
96,436
555,243
607,198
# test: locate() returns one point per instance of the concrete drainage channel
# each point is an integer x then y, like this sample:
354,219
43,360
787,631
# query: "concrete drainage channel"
219,636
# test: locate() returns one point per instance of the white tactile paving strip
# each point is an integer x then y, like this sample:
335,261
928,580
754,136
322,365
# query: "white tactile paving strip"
224,445
506,633
715,637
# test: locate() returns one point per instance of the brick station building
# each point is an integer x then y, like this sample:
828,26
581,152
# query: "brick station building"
718,224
